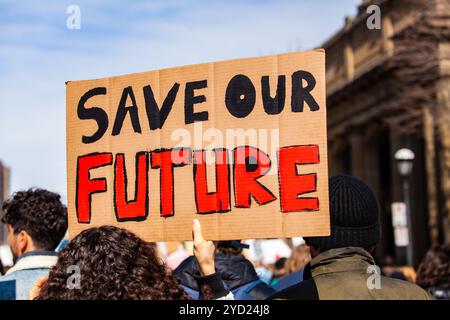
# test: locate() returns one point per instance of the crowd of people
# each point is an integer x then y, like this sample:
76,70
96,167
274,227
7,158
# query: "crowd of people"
112,263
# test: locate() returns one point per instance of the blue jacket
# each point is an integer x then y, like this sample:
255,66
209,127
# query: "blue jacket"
17,282
237,273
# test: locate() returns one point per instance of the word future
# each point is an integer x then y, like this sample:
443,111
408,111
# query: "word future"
248,165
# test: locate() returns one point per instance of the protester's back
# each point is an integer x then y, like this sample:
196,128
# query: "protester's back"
37,222
350,273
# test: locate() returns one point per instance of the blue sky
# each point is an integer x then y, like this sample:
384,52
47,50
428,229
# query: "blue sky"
38,53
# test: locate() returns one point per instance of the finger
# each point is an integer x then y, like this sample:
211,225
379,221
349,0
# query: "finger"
197,231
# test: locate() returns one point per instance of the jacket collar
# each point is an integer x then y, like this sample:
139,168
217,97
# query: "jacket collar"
38,253
348,259
35,260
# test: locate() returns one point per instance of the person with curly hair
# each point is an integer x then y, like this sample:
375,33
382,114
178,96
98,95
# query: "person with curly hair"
433,273
37,222
110,263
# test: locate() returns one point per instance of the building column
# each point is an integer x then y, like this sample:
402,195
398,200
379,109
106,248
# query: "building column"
430,161
371,159
387,30
397,142
349,60
443,128
357,149
335,147
372,178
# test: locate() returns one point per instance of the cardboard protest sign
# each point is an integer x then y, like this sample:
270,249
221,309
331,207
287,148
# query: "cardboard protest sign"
241,145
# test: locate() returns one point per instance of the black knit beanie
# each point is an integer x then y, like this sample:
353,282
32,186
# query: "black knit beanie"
353,214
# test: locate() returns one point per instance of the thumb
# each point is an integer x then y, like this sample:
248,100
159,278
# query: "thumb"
197,231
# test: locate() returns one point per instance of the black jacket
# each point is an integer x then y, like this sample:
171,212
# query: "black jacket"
237,273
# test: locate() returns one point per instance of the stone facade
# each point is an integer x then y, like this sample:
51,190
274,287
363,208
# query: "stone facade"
389,88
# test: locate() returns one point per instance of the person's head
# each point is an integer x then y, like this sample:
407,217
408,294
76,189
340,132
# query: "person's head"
111,263
354,217
280,263
278,269
434,270
36,220
299,258
230,248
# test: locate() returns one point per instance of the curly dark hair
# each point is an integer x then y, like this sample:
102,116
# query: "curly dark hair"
114,264
40,213
434,270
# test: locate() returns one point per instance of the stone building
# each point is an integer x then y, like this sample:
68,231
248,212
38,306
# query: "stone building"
387,89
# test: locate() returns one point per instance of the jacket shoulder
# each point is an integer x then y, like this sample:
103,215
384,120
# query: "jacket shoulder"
400,289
